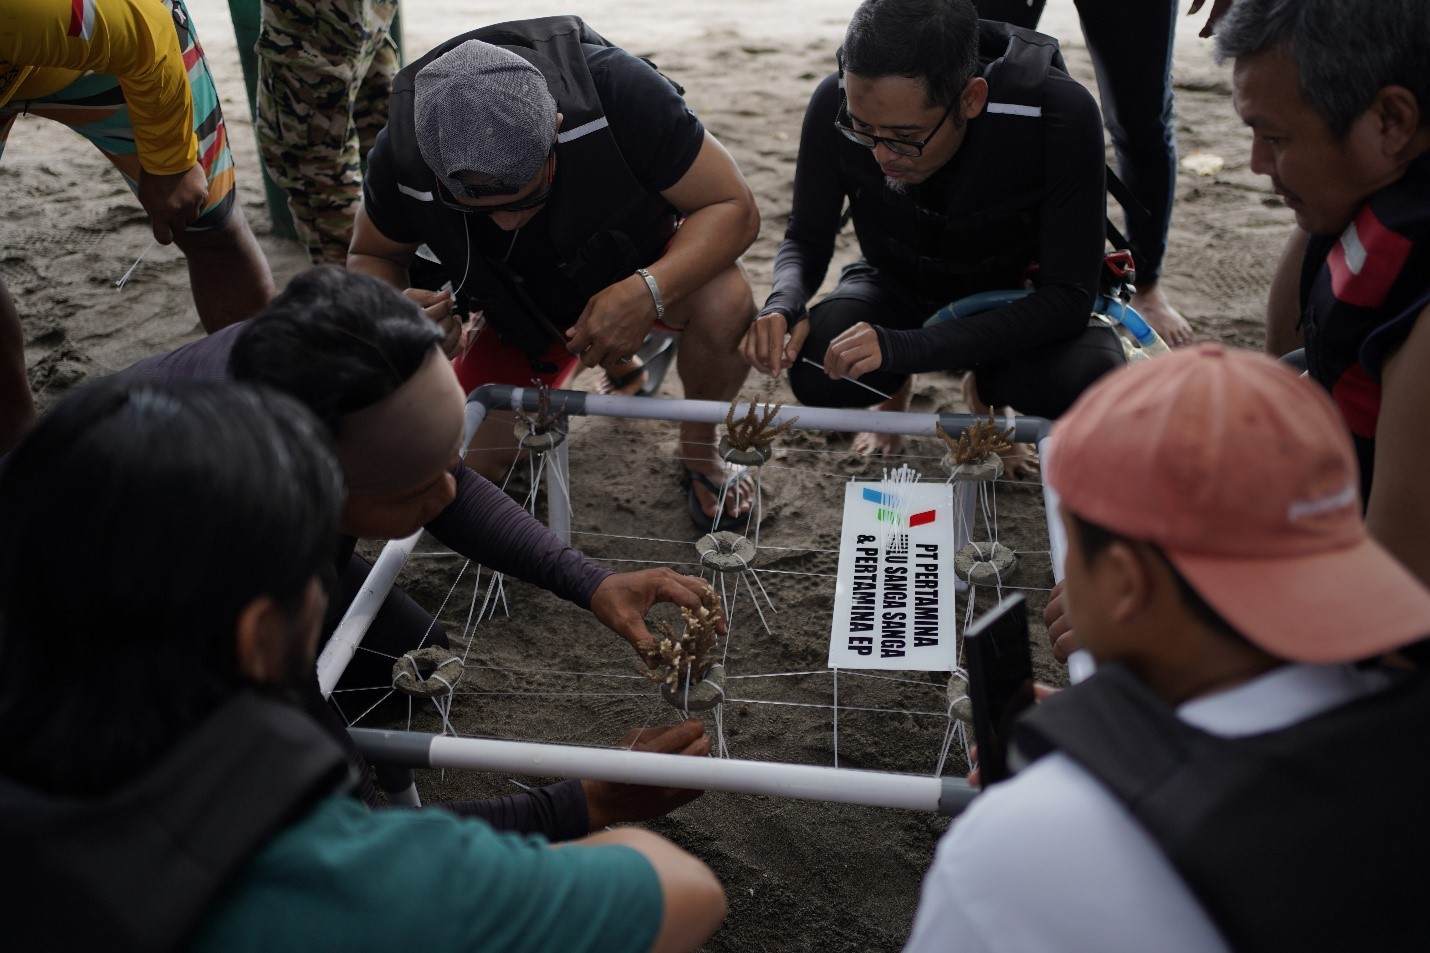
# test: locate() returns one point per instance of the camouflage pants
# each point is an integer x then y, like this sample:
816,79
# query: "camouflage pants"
325,71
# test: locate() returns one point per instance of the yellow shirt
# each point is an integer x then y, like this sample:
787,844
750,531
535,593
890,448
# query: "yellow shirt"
47,44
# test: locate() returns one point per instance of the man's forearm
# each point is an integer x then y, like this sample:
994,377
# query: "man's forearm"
707,243
17,407
1283,304
382,268
486,525
557,812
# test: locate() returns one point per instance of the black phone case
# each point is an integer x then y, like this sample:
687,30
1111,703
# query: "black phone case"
1000,681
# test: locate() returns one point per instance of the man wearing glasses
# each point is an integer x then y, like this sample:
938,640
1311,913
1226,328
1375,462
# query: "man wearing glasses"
545,171
969,162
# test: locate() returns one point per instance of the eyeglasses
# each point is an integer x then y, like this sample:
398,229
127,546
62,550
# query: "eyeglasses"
900,147
536,199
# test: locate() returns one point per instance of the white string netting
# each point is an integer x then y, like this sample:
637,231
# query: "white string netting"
538,668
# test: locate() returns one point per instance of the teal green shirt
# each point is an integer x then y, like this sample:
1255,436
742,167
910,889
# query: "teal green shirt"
347,878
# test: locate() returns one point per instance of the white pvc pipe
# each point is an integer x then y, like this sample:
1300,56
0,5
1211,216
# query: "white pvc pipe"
872,788
713,412
558,503
364,608
1057,539
346,638
1080,663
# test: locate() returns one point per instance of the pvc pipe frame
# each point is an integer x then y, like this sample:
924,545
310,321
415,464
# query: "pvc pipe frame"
353,626
844,785
413,749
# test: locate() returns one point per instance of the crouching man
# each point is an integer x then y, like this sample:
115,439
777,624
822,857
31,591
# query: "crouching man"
1240,773
968,161
547,170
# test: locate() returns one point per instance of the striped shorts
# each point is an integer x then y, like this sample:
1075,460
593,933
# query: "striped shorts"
94,107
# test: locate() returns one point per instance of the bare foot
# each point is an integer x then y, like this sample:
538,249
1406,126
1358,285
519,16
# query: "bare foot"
701,458
1019,460
884,444
877,444
625,380
1158,312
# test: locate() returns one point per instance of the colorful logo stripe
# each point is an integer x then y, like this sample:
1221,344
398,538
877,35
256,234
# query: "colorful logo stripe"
888,508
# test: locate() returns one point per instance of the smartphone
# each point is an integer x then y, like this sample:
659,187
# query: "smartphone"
1000,681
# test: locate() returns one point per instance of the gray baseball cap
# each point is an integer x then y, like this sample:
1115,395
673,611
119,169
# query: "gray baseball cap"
481,109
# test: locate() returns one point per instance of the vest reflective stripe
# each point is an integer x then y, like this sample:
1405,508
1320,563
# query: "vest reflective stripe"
585,129
414,193
1013,109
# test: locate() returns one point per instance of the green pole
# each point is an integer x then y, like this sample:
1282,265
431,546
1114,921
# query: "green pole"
247,18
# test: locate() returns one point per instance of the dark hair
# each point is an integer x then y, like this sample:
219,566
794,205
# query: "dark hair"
1346,51
1094,539
932,40
336,340
136,522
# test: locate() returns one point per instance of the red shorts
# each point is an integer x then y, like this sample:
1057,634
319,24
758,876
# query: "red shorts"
488,360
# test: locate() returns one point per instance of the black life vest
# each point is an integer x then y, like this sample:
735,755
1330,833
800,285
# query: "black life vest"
601,221
144,864
1308,838
1353,288
973,225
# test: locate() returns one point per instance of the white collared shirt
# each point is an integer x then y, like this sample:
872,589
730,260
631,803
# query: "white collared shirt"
1050,860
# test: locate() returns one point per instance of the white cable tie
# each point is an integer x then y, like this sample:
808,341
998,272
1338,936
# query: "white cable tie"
124,278
872,390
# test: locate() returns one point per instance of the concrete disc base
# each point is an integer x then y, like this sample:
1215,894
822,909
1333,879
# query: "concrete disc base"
702,696
752,457
725,551
985,563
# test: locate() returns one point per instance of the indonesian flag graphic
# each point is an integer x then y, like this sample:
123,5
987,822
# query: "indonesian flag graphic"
1366,261
81,19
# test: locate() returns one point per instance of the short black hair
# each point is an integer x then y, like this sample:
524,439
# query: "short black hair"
336,340
136,522
932,40
1094,539
1346,51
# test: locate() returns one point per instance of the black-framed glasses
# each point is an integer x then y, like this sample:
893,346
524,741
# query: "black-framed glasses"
536,199
901,147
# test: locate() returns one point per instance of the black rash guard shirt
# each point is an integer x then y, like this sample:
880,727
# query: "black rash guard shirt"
1070,223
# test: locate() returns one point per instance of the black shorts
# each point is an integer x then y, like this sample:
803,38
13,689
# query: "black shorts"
1041,382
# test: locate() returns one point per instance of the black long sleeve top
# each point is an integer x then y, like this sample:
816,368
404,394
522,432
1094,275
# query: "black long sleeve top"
1069,221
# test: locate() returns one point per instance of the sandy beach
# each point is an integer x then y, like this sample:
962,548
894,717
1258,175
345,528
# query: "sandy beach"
799,875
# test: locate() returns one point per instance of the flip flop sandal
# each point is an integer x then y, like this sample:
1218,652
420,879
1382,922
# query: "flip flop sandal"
652,362
658,354
615,384
702,520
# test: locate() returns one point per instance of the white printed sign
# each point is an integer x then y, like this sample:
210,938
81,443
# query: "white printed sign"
894,597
